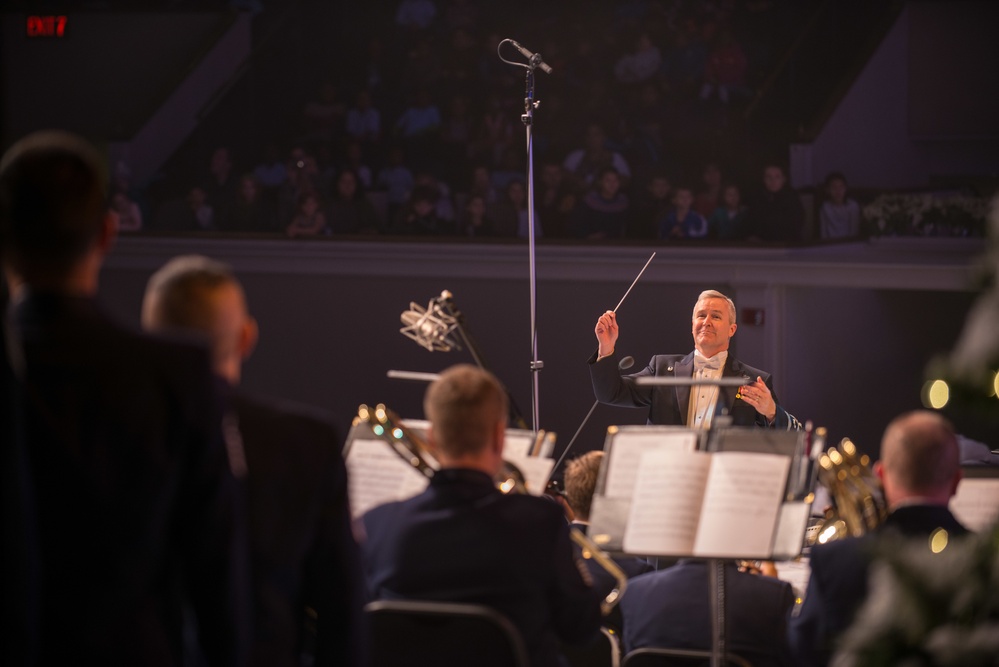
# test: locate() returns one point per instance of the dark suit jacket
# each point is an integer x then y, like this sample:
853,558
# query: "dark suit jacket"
135,503
668,406
671,609
604,583
837,585
301,543
463,541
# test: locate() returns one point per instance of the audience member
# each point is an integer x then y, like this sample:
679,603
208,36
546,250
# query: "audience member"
305,565
671,608
354,161
682,221
725,70
555,200
419,120
444,207
310,219
249,213
364,121
709,196
135,504
350,212
419,216
839,216
603,213
580,478
397,180
776,213
640,65
302,177
127,211
652,207
475,221
728,219
587,163
200,213
482,185
462,540
919,470
510,213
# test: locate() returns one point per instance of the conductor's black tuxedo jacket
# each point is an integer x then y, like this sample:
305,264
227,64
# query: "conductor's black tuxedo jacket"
668,406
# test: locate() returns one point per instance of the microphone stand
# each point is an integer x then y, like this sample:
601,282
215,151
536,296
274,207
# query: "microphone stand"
534,61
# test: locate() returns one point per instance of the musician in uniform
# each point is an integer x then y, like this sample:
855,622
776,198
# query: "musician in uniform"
919,470
462,540
133,507
305,561
712,325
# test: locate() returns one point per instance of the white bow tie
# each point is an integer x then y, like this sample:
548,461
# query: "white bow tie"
703,364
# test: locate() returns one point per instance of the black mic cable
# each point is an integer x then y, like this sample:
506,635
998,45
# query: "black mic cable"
623,365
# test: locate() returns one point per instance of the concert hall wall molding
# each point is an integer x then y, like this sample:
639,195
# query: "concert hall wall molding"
846,329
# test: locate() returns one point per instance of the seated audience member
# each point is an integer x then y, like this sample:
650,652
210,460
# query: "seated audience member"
555,200
683,222
640,65
652,206
249,213
350,211
462,540
728,219
839,216
671,608
603,212
510,213
709,196
419,217
354,160
364,121
135,511
445,206
580,483
396,179
590,162
476,222
309,220
128,212
919,470
304,561
776,213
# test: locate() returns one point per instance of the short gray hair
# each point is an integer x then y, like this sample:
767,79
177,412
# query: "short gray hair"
715,294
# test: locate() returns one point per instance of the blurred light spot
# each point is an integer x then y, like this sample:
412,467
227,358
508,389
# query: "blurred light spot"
397,434
936,394
827,534
995,385
377,428
938,540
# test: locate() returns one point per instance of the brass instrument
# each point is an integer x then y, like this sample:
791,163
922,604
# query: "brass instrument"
856,492
409,446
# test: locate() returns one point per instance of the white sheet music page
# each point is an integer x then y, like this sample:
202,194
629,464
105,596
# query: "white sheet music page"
976,503
741,503
627,451
666,505
377,475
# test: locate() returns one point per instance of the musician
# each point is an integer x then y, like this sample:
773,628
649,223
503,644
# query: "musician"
134,506
304,556
671,608
919,470
580,482
712,325
462,540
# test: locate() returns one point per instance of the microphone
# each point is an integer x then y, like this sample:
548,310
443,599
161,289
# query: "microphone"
431,328
623,365
533,58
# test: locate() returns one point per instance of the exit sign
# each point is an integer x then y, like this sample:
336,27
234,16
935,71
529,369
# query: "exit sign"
53,25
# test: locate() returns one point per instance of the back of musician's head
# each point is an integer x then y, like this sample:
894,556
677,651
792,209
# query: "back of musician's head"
52,203
920,456
581,481
196,294
464,405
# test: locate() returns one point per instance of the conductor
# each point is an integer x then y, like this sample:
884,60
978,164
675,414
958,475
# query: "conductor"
712,325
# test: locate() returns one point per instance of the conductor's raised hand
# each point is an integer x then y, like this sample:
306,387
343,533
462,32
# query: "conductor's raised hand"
607,332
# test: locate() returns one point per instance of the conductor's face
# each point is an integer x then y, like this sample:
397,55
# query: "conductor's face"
712,326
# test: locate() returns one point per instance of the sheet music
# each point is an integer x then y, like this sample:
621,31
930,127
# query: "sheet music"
666,506
627,451
377,475
536,471
976,503
517,446
741,502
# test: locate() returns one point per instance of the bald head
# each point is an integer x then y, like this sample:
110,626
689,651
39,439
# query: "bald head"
195,294
920,458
